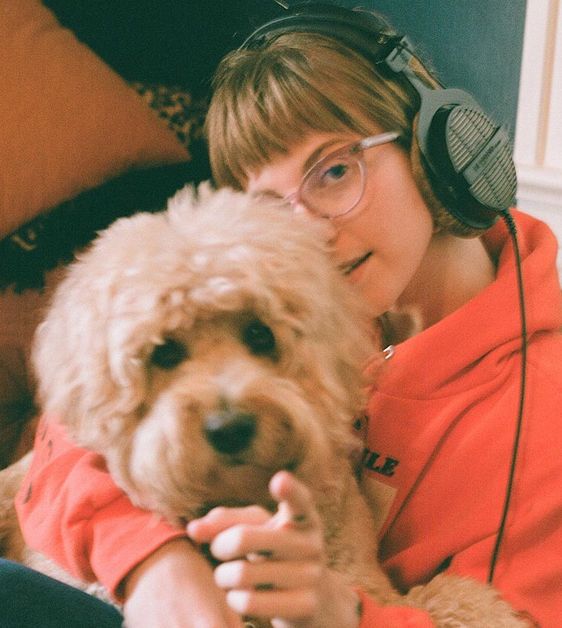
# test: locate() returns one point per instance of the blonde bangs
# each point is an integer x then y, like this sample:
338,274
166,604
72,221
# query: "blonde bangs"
267,101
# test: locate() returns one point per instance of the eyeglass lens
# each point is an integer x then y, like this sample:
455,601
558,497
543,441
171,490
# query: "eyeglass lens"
334,185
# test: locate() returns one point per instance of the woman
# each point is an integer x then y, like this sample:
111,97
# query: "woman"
305,116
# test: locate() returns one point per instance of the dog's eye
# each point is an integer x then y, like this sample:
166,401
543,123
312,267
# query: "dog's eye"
169,354
259,338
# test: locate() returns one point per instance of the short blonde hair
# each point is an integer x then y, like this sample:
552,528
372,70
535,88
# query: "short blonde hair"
267,99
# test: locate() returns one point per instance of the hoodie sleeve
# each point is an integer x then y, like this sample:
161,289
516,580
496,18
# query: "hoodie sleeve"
70,509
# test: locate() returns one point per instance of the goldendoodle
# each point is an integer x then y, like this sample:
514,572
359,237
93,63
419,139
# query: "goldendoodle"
204,348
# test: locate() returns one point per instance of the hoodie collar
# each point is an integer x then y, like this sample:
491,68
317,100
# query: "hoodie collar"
441,359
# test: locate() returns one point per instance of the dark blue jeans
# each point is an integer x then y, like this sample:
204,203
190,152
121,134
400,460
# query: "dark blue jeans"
29,599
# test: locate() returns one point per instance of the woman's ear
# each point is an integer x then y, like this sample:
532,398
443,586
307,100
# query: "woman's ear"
443,219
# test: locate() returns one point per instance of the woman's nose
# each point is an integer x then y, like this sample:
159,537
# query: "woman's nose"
301,209
328,229
331,232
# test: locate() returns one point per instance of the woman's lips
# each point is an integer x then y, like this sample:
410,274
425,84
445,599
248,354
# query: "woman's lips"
349,267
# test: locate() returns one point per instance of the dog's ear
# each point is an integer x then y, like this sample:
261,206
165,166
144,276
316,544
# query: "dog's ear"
87,375
58,347
351,340
334,329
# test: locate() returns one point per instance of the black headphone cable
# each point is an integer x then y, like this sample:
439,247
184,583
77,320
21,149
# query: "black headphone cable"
510,223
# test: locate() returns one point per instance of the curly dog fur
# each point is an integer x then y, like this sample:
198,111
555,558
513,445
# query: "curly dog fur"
202,349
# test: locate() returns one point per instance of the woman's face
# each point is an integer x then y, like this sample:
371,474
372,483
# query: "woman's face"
380,244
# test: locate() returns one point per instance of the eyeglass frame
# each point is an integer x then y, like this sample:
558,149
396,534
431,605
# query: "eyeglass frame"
358,146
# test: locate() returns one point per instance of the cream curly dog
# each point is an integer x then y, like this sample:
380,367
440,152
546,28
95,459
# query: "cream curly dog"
202,349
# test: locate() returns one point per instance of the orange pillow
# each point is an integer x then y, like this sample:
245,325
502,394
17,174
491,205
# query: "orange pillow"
67,121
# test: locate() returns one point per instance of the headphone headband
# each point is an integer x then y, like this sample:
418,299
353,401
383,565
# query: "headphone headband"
353,27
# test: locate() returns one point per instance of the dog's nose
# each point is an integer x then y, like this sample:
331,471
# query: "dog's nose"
230,431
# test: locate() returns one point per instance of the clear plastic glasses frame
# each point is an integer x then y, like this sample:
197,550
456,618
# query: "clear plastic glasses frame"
335,184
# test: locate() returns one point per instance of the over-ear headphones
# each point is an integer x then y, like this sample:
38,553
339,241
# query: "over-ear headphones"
466,156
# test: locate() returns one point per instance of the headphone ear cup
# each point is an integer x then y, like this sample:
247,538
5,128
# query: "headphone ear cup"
443,219
472,155
465,155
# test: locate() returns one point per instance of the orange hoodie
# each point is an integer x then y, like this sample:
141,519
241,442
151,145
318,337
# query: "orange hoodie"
439,440
441,430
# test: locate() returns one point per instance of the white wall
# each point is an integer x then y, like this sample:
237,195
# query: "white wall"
538,135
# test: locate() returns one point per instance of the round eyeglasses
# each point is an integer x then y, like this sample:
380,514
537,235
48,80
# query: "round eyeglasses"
335,184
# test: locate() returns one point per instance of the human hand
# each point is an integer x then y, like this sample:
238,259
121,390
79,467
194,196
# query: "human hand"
174,588
275,566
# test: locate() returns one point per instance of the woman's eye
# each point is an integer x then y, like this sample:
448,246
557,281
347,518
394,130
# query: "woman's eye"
335,172
259,338
169,354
